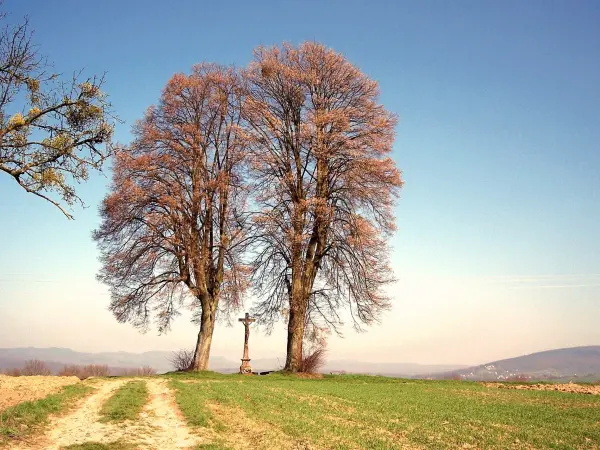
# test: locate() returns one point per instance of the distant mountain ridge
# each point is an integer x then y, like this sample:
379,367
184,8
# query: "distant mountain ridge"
577,363
159,360
57,357
564,364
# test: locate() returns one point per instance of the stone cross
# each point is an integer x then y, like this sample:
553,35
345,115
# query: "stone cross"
245,367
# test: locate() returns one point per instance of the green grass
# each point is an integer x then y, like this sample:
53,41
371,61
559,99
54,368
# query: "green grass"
212,447
98,446
126,403
384,413
23,419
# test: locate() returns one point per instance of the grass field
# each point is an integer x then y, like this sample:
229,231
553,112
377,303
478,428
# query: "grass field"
214,411
344,412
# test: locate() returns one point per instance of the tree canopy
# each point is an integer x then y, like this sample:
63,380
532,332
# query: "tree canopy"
284,164
174,219
324,185
52,132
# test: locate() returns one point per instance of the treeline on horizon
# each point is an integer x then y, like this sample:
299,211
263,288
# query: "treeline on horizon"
36,367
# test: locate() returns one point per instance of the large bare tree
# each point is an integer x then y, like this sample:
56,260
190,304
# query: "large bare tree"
324,187
52,133
173,221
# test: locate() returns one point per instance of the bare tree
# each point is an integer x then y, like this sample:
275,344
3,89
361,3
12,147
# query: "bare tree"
83,372
324,186
35,367
173,221
51,133
143,371
182,359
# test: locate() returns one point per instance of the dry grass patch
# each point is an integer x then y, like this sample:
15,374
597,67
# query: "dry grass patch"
572,388
14,390
367,430
314,376
245,433
343,405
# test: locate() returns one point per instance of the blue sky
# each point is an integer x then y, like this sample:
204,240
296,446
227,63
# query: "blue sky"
497,249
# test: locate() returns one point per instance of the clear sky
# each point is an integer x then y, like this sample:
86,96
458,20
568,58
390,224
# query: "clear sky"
497,249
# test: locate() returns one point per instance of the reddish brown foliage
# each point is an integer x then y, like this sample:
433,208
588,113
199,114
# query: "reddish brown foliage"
173,221
325,186
318,142
13,372
312,361
35,367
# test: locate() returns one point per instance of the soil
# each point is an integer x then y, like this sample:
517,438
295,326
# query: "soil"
160,424
15,390
566,387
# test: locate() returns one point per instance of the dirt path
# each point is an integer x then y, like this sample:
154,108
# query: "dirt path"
159,426
162,425
82,425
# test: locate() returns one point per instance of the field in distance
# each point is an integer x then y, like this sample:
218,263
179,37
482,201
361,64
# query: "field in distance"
216,411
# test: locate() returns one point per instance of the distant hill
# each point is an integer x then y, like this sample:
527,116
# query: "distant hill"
159,360
580,363
58,357
575,363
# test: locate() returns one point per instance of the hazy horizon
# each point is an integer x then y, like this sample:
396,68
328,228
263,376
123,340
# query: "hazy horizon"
281,357
497,253
432,342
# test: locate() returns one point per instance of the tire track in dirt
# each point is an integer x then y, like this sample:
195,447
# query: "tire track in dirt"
160,425
78,426
163,426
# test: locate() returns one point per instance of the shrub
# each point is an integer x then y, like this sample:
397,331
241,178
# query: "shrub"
13,372
35,367
313,360
135,372
146,370
83,372
96,370
182,360
71,370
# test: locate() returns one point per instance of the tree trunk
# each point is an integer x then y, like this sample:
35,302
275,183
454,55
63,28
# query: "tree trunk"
202,352
295,335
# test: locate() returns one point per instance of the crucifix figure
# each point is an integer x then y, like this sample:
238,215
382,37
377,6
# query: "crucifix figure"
245,367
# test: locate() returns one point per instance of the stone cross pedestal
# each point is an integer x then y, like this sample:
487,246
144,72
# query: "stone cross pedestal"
245,367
